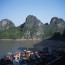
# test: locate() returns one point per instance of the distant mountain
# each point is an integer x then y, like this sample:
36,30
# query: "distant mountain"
58,21
8,30
33,28
59,25
6,24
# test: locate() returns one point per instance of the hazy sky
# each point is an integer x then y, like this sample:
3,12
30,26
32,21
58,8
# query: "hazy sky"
18,10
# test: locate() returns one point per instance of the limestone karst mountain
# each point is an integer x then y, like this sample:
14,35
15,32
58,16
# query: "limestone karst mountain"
6,24
32,28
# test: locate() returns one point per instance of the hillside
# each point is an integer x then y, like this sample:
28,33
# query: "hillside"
6,24
33,28
8,30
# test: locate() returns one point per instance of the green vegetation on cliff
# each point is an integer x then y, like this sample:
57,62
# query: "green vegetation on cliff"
11,33
32,28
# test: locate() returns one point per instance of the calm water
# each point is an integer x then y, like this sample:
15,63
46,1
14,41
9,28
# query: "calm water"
6,46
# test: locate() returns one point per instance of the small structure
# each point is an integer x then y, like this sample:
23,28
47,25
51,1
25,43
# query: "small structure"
8,55
28,54
36,54
17,55
32,55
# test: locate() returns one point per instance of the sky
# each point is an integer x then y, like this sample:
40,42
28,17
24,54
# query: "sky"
44,10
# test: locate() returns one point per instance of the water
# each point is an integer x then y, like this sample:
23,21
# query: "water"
6,46
51,44
12,46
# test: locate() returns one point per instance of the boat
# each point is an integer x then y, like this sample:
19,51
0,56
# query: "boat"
28,57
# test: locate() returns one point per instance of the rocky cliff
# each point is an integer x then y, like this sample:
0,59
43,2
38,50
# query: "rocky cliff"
32,27
58,21
6,24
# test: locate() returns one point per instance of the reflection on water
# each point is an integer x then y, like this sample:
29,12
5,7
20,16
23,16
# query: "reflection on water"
51,44
6,46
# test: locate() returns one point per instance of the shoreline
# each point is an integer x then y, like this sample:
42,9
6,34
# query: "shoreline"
20,39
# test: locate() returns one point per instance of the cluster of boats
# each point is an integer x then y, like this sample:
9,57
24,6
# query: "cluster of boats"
27,57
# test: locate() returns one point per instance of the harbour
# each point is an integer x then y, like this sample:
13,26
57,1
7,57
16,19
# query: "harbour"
11,49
